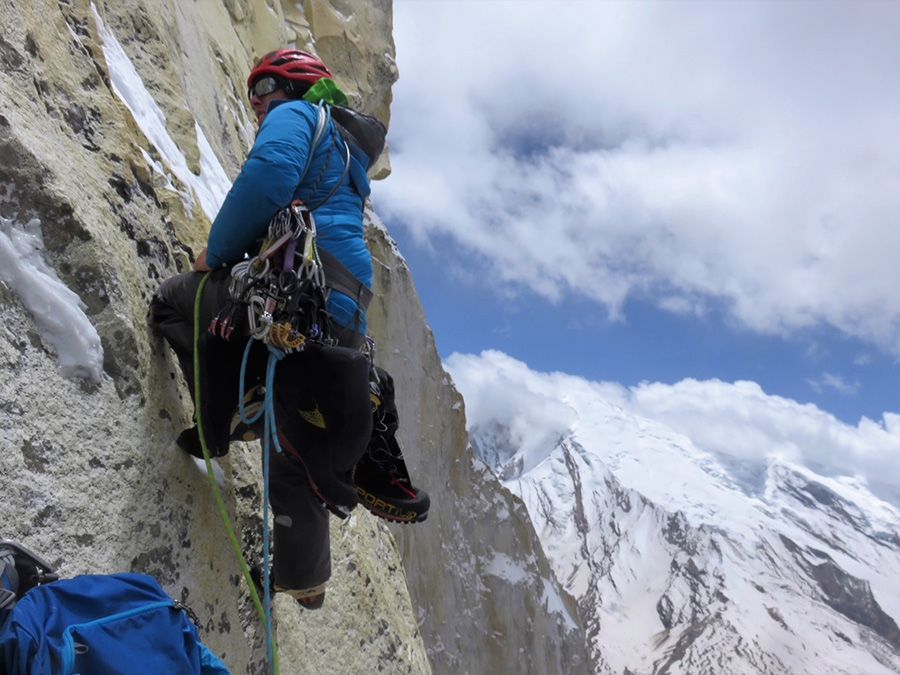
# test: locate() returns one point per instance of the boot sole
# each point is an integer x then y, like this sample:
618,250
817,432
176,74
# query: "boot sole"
404,513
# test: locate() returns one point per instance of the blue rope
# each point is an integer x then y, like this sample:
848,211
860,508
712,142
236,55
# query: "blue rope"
275,355
267,592
270,437
270,433
268,407
244,418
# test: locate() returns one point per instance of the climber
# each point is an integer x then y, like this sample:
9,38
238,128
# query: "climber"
325,394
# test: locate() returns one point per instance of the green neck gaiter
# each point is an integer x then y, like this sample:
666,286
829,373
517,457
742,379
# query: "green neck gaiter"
326,90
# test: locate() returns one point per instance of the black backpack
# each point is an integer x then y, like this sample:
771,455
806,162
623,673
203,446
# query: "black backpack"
364,131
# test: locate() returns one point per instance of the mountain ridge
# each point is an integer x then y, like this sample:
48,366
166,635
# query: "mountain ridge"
710,567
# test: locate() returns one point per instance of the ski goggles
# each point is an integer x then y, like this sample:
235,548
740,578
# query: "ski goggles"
264,86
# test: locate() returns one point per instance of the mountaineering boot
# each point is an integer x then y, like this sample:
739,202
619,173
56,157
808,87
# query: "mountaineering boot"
384,487
308,598
381,477
253,403
189,439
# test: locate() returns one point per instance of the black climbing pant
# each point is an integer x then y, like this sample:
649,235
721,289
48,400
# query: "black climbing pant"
323,414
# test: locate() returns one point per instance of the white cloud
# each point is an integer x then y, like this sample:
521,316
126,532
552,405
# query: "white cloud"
745,152
835,382
741,420
535,419
734,419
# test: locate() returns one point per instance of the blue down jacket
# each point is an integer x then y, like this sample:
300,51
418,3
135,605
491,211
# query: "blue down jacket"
268,181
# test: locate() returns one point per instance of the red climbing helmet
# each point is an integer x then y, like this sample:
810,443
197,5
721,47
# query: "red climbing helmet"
291,64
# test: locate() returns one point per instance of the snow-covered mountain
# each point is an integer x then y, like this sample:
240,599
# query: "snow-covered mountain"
688,561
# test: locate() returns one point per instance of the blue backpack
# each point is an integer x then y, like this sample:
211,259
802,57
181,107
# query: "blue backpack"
117,624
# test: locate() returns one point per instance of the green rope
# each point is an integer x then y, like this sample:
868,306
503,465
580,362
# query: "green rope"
236,546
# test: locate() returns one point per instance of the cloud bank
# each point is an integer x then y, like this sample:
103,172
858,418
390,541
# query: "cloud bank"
701,155
736,420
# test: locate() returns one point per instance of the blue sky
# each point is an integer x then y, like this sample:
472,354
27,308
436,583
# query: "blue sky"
656,191
845,377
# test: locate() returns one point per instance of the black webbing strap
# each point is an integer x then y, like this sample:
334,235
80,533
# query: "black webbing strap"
339,278
8,570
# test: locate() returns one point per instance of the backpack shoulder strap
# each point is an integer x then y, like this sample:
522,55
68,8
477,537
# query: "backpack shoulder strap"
323,117
363,131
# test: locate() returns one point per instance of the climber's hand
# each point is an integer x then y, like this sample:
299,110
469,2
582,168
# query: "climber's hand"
200,263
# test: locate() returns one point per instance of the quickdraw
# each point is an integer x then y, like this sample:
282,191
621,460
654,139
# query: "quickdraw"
282,290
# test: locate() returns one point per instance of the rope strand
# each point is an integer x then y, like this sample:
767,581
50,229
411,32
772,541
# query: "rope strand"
263,611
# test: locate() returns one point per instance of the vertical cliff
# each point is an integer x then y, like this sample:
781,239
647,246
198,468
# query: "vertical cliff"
486,598
121,124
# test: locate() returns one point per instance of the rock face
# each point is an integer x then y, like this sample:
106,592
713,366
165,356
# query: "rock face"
486,597
120,125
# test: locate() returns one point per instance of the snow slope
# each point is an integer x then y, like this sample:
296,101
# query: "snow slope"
685,560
